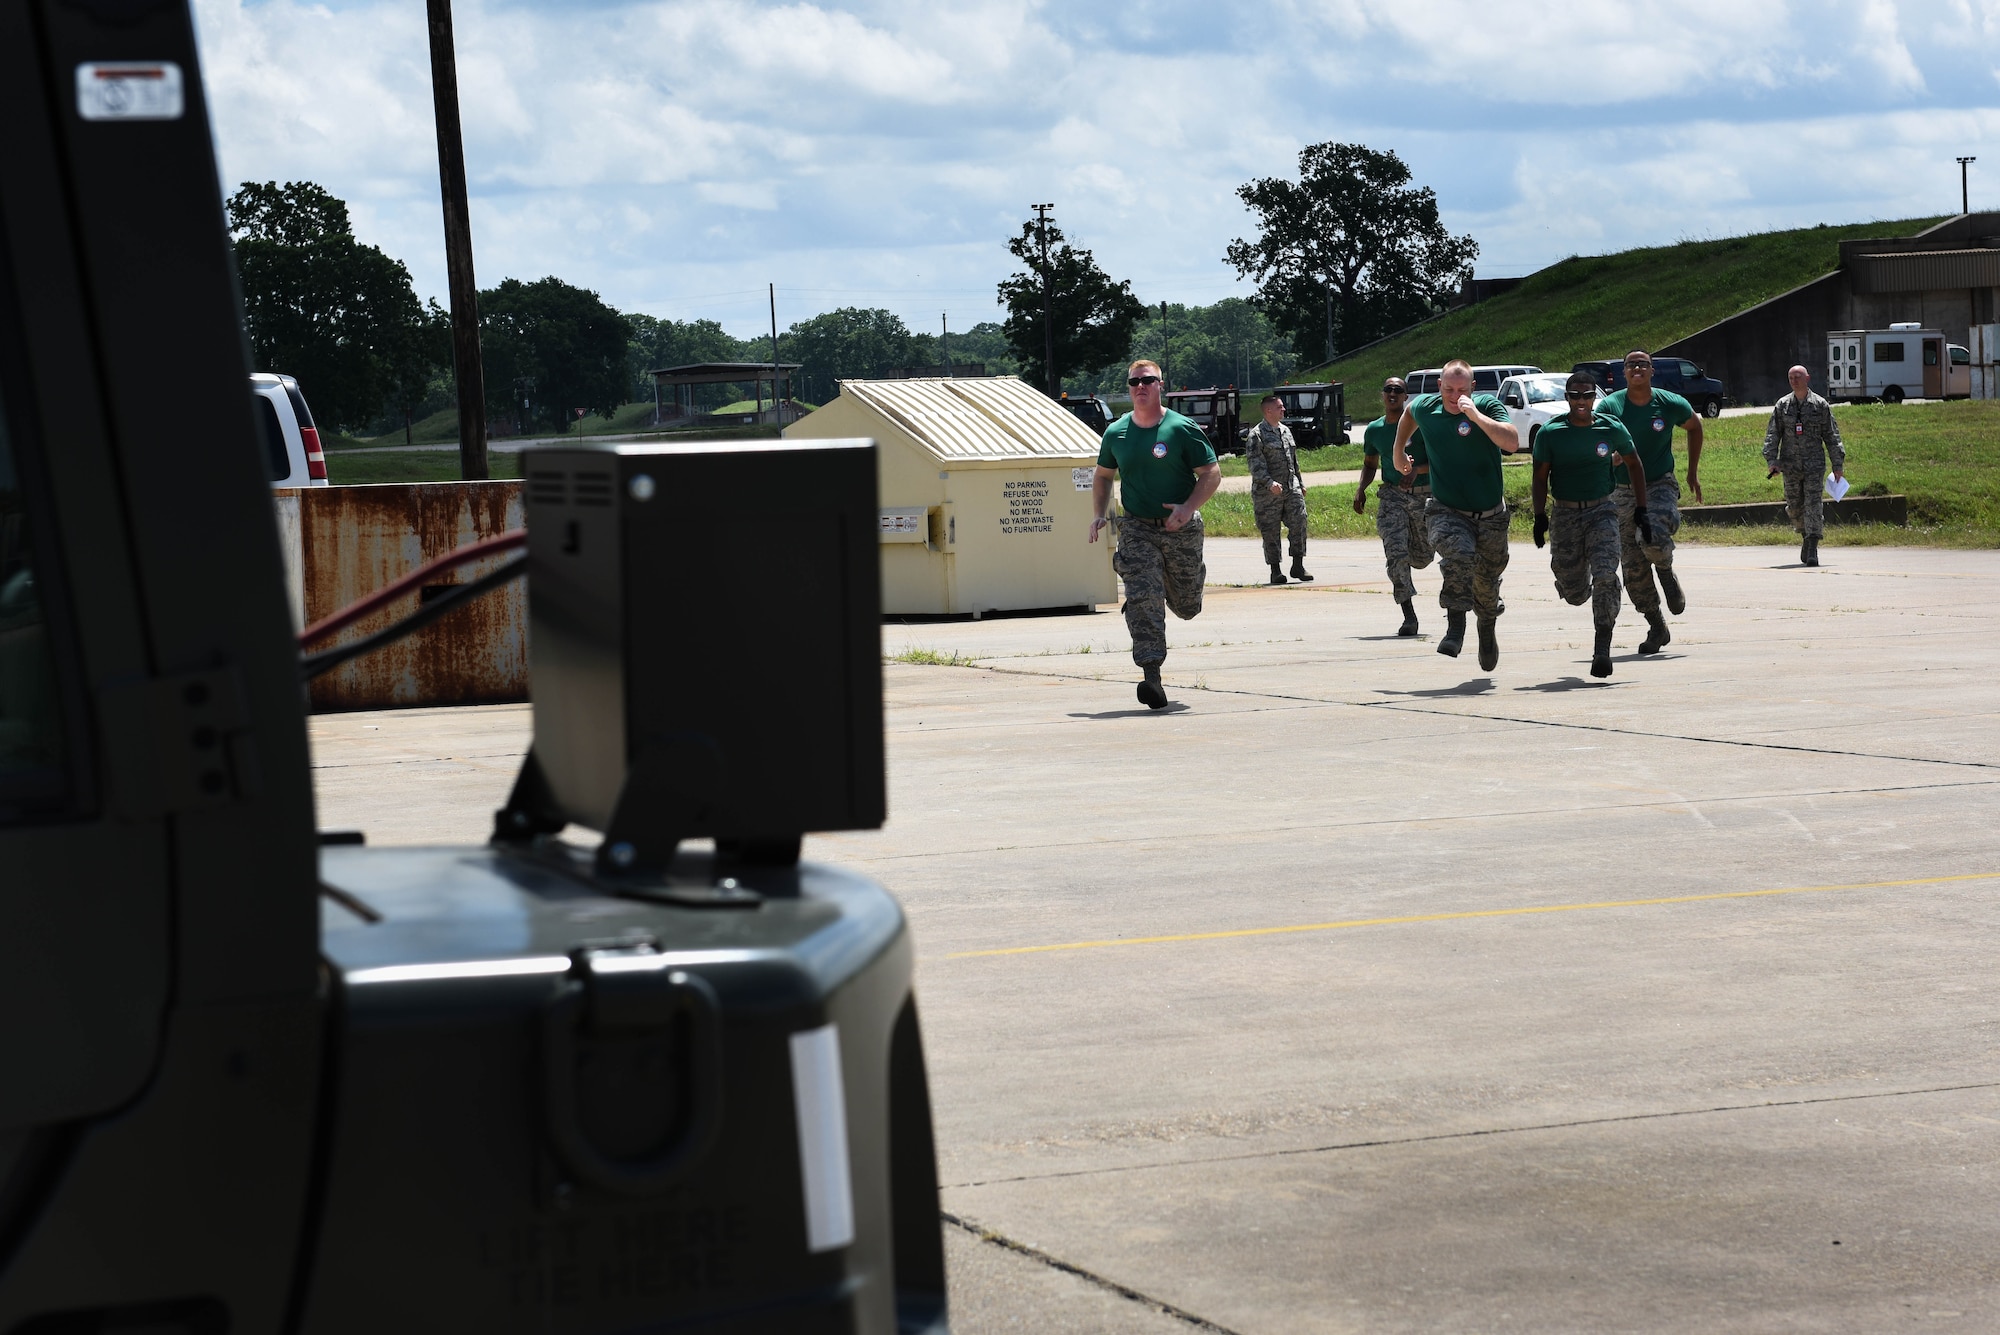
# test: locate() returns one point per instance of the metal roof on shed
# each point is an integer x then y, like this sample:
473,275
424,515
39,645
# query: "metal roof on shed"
1925,270
968,420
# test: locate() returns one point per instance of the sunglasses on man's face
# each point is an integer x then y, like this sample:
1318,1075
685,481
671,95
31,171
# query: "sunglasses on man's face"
1630,367
1580,394
1394,389
1139,380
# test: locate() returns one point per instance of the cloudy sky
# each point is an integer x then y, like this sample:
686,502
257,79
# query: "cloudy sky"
677,155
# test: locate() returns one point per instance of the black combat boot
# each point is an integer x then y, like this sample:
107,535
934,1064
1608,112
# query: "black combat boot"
1277,575
1299,571
1660,635
1809,554
1600,657
1454,634
1489,645
1670,585
1151,693
1409,626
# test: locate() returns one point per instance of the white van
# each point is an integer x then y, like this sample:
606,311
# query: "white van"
291,442
1904,361
1485,379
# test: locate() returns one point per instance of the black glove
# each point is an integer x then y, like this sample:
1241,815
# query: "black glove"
1541,529
1643,524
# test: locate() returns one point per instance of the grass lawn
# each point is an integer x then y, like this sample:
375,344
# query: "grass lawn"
1944,456
349,470
1606,305
1325,459
441,429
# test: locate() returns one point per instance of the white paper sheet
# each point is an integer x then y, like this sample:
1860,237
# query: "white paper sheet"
1836,487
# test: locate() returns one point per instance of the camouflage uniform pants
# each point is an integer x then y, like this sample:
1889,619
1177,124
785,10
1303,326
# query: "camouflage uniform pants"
1473,554
1288,509
1406,541
1663,516
1162,571
1583,553
1805,491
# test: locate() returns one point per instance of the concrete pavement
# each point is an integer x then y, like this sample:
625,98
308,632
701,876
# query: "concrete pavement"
1366,991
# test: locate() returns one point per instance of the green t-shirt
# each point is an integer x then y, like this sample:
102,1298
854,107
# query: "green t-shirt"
1155,463
1652,426
1465,463
1379,438
1578,456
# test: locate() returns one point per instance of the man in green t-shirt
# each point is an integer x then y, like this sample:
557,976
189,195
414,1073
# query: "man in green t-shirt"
1651,416
1464,435
1574,458
1166,469
1399,501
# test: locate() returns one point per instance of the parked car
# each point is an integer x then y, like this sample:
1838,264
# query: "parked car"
1485,379
1533,401
1676,375
1865,364
1090,410
1316,413
291,441
1215,411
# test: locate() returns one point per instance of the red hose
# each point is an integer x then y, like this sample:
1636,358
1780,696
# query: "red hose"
389,593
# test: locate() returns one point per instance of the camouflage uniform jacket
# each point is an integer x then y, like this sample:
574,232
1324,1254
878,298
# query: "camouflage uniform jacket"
1783,440
1273,457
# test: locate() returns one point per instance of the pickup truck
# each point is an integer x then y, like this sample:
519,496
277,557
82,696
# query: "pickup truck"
257,1080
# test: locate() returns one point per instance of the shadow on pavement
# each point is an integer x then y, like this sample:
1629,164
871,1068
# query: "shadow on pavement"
1569,684
1173,707
1477,686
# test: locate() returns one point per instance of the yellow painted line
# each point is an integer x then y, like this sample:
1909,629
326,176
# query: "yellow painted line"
1468,914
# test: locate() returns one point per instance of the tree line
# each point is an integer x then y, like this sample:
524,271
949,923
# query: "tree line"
1350,251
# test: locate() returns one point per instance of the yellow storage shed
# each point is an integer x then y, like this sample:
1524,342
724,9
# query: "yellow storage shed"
985,492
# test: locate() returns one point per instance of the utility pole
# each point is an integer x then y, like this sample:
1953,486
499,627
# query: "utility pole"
1165,334
1048,302
467,367
1964,192
944,341
1329,321
777,404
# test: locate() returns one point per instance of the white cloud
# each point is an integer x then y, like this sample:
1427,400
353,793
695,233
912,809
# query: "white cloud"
675,155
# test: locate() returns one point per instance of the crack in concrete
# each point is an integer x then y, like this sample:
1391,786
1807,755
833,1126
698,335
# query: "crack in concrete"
987,1235
1525,722
1441,1136
1511,813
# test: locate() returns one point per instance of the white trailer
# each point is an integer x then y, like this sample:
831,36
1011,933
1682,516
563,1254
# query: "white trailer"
1904,361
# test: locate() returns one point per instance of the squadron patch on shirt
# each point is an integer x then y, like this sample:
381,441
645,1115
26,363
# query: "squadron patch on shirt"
1659,424
1602,449
1159,449
1465,428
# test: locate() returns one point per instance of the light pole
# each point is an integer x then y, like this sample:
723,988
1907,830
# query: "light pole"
1964,192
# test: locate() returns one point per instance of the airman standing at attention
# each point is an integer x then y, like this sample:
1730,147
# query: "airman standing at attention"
1571,454
1399,501
1277,492
1651,415
1165,469
1464,435
1801,435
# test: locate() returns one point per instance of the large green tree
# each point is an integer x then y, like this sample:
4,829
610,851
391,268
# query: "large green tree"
553,348
1091,316
1352,227
844,343
658,343
340,316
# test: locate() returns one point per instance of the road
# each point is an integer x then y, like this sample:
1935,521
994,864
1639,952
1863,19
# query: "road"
1365,991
